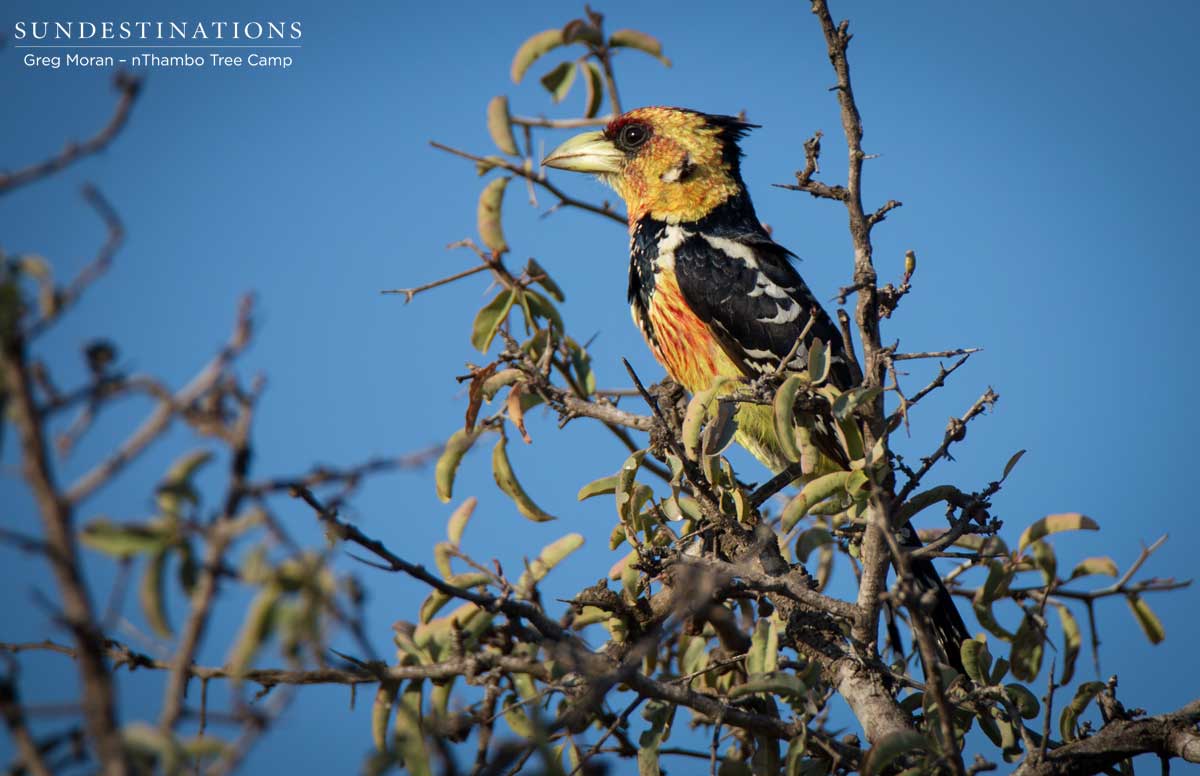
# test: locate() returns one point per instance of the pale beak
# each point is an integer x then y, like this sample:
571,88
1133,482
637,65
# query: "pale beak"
587,152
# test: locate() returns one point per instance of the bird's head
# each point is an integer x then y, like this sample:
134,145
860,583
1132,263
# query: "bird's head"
672,164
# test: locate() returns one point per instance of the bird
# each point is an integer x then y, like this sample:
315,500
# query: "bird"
710,290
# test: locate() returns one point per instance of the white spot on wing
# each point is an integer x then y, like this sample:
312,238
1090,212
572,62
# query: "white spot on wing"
745,253
669,238
733,248
786,314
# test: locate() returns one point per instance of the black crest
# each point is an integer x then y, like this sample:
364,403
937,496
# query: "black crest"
732,130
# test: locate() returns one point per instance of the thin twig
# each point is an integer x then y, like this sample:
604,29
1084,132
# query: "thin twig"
115,235
160,419
564,199
616,723
129,86
578,123
409,293
57,518
935,354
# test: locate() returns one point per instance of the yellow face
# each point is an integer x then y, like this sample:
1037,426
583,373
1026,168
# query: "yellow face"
670,164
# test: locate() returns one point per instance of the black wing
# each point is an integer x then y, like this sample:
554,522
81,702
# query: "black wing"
743,285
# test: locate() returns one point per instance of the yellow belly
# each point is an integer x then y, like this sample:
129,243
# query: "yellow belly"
686,348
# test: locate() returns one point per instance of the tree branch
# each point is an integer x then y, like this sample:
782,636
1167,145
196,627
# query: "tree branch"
66,297
467,665
57,516
161,417
564,199
1167,735
129,86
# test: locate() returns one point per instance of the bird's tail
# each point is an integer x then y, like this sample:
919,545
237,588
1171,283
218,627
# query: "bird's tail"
948,626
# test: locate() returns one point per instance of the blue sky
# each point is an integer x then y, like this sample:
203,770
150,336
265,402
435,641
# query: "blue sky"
1045,156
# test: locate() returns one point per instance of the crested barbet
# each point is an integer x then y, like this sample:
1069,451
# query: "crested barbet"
709,289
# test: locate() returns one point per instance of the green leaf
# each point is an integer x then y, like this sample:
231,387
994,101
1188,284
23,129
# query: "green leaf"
123,540
458,520
810,540
543,308
647,761
583,366
640,41
1084,695
719,431
543,279
995,586
1027,648
1051,524
410,741
442,553
777,683
1072,641
517,719
507,481
987,723
499,124
626,487
559,80
488,319
599,487
694,657
660,716
381,712
204,747
976,660
845,404
813,492
699,408
447,465
1100,565
550,556
533,48
1146,618
257,627
785,416
857,480
491,200
145,742
578,29
818,362
436,600
439,697
763,657
1012,462
793,760
594,80
1026,702
188,571
890,747
631,577
150,594
1046,561
176,487
502,379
